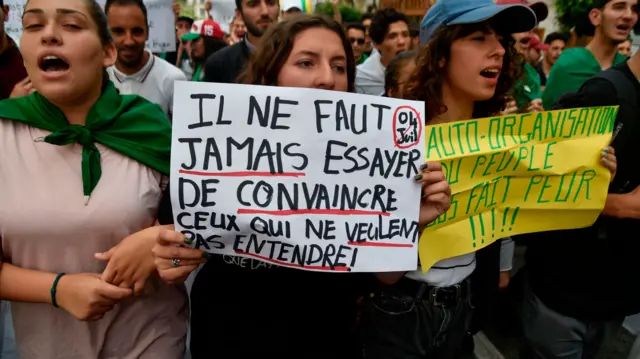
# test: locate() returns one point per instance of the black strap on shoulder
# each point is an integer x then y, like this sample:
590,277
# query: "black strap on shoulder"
626,92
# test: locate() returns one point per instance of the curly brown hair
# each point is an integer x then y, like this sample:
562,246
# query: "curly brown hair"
426,82
276,45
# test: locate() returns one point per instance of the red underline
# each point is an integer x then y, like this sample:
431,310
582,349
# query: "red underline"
243,174
285,264
295,212
381,244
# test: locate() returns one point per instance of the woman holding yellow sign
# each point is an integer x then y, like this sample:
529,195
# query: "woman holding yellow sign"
465,68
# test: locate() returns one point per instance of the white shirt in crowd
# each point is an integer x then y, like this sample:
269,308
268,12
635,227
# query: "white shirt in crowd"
154,82
370,76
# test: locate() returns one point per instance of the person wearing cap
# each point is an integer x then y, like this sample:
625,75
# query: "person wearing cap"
180,58
527,93
137,71
556,42
611,24
204,35
226,65
465,67
290,10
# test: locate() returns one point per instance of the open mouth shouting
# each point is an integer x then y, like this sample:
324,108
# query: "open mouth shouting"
491,73
624,28
53,65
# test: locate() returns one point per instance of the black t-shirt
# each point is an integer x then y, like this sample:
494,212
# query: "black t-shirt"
543,76
581,272
241,306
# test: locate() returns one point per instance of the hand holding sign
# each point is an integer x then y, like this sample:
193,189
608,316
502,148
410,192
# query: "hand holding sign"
168,252
436,193
609,160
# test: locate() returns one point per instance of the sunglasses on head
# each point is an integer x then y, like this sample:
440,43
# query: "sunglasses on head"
359,41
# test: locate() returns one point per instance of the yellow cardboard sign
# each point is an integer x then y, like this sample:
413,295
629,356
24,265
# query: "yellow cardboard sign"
517,174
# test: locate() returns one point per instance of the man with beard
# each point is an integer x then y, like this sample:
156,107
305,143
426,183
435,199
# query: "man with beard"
137,71
226,65
611,23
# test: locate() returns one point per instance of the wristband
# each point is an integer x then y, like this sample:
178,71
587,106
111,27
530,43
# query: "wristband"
54,289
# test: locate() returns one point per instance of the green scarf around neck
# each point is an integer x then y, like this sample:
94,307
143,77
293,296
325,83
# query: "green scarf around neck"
128,124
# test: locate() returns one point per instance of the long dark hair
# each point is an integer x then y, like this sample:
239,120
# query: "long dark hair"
426,83
392,73
276,45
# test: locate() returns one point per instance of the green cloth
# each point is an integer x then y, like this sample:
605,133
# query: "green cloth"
573,68
197,74
527,89
363,58
128,124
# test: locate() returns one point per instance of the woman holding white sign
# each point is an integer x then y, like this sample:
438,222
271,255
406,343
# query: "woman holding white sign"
82,167
466,65
252,308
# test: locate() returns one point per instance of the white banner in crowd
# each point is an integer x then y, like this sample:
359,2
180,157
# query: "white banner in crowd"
302,178
223,12
162,31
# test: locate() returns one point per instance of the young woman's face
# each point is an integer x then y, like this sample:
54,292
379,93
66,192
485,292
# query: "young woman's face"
197,49
403,77
62,51
317,60
475,65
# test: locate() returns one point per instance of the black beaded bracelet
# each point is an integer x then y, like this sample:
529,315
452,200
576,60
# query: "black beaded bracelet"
54,289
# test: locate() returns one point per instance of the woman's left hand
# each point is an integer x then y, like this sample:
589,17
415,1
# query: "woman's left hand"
436,193
609,160
131,260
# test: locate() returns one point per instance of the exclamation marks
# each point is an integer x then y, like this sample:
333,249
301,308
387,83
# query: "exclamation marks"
513,218
504,218
481,227
509,220
493,223
473,231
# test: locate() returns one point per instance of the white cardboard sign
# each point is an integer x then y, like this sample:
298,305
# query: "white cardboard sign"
303,178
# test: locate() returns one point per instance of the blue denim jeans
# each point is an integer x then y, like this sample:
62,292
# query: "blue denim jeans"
411,320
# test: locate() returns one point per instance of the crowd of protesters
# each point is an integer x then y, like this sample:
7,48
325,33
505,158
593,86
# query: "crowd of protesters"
92,265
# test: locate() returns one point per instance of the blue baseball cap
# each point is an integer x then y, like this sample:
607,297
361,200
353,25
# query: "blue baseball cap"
517,17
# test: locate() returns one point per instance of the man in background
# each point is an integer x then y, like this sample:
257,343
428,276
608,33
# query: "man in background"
137,70
13,75
356,33
226,65
290,10
366,22
611,23
180,57
389,31
527,92
625,48
555,41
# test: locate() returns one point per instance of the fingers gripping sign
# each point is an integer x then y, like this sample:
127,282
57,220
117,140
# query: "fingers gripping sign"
174,262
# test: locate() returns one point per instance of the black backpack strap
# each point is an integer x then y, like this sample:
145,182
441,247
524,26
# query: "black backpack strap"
627,99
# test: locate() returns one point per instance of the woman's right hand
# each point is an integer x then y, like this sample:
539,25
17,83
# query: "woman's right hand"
173,262
86,297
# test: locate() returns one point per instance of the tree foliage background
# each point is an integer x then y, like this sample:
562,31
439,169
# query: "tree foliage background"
349,14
